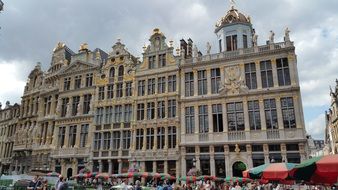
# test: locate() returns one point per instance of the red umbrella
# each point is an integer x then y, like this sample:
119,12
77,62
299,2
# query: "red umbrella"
270,171
53,174
318,170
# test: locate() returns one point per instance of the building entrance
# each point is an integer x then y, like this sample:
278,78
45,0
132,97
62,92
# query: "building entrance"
238,168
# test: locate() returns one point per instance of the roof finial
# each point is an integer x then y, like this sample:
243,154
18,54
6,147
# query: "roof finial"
232,4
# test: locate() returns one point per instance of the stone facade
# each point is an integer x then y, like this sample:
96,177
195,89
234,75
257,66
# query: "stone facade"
331,131
171,112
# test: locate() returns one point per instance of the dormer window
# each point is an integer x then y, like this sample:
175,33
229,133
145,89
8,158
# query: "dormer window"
231,42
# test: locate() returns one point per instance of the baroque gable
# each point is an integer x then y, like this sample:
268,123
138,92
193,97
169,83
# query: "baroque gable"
77,67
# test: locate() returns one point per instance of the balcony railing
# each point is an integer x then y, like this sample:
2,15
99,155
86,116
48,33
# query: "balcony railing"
272,134
70,152
236,136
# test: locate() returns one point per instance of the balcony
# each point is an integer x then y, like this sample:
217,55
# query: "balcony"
262,136
70,152
241,52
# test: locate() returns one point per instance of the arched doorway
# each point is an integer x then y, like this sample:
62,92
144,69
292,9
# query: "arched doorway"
238,168
69,173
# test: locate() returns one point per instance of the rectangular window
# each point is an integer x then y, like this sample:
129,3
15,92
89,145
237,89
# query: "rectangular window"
254,115
129,91
101,93
119,90
99,116
140,111
110,91
97,141
72,136
116,140
106,140
109,115
126,140
189,84
77,82
235,116
245,41
64,106
162,60
171,108
61,136
220,45
86,103
118,113
190,120
160,137
172,137
75,105
231,42
128,109
203,119
89,79
270,114
202,82
283,72
161,85
84,135
289,120
139,139
266,74
160,110
152,60
45,106
150,110
215,80
172,83
250,75
217,118
150,138
141,88
66,83
151,86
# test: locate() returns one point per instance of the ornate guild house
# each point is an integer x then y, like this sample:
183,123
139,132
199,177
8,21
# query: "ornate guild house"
235,106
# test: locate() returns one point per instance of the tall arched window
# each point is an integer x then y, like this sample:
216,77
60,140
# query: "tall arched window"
112,72
120,73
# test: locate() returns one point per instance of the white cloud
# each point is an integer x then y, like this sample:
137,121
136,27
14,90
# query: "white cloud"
10,84
316,127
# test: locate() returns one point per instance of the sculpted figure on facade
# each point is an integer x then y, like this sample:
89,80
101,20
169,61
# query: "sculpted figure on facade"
272,37
69,110
234,83
195,51
287,35
208,48
254,39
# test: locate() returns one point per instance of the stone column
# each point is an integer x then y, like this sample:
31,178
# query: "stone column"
195,83
120,165
262,113
284,152
210,123
297,104
258,75
110,166
227,160
197,156
144,147
155,139
66,137
249,152
279,113
100,165
165,166
78,132
225,118
166,138
196,120
246,115
154,167
208,70
212,161
266,153
183,163
293,69
274,72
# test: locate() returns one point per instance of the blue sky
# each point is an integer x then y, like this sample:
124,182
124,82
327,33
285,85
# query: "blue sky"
31,29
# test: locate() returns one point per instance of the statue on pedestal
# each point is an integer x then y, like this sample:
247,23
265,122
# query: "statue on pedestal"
272,37
287,35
